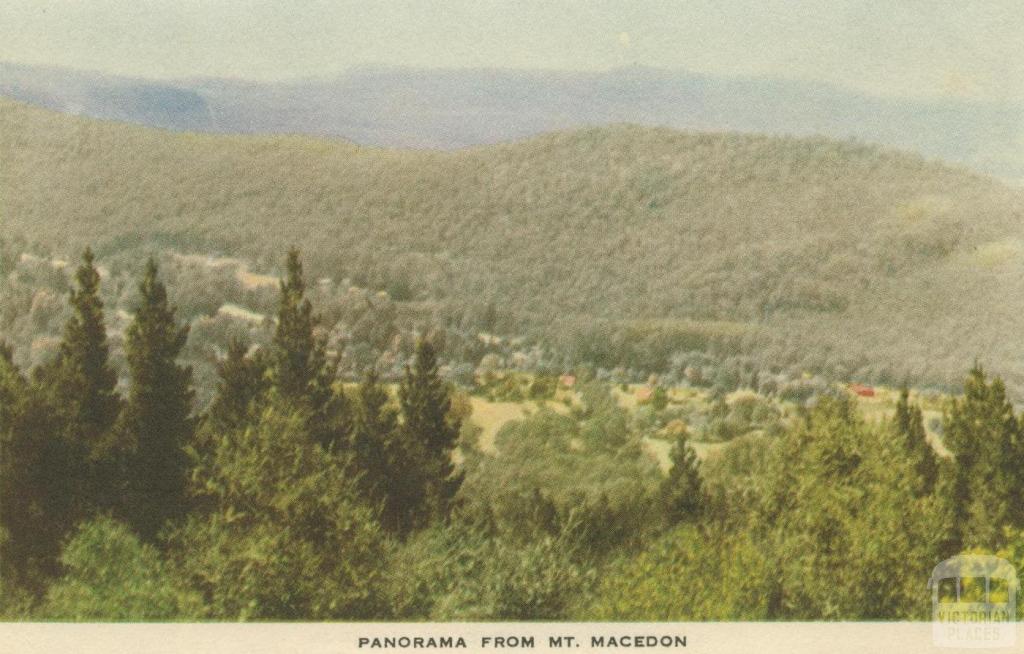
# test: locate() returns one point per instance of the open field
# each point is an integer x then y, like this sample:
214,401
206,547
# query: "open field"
492,416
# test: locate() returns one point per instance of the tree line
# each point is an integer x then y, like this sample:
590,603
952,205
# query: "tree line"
290,497
284,462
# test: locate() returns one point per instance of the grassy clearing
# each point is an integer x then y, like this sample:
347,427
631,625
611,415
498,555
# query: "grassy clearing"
490,416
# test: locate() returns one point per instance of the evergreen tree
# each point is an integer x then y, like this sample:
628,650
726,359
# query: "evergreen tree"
682,492
74,398
22,523
157,420
80,379
430,438
909,426
373,444
984,435
301,373
845,533
297,359
241,381
12,387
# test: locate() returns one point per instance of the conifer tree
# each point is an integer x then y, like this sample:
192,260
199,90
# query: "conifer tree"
428,431
682,492
301,373
373,444
836,492
19,532
157,419
60,444
984,435
43,480
909,426
77,391
80,379
297,359
241,381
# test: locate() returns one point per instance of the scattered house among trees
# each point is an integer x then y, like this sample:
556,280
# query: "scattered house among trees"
862,391
644,394
567,381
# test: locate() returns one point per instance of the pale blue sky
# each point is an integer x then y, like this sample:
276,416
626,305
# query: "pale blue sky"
960,48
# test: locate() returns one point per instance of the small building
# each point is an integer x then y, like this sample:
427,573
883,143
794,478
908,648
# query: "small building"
567,381
862,391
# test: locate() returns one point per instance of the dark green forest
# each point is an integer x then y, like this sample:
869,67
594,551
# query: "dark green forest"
292,495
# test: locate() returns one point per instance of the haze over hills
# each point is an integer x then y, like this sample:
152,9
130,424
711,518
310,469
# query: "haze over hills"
448,109
844,258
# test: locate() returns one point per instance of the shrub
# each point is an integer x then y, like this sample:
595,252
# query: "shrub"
110,575
282,534
461,572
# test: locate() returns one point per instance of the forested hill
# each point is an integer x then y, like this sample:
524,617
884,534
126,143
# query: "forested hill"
844,258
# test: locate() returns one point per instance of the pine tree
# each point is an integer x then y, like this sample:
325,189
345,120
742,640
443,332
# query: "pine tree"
19,532
77,392
301,373
682,492
82,383
242,380
985,437
59,441
909,426
157,419
373,444
43,481
845,532
428,432
297,359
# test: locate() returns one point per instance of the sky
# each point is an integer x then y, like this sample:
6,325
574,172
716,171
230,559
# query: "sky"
900,48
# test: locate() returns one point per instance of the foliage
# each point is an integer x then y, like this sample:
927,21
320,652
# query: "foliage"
241,381
837,497
462,573
111,576
808,512
283,534
300,372
60,452
838,258
156,422
592,469
985,437
426,479
376,447
681,494
690,573
81,376
909,425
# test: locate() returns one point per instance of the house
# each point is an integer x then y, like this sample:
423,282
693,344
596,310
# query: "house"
862,391
567,381
644,394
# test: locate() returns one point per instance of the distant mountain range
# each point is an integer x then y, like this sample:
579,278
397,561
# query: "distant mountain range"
448,109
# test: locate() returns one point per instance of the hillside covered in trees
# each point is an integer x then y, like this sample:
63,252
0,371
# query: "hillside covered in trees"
613,246
195,425
294,497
